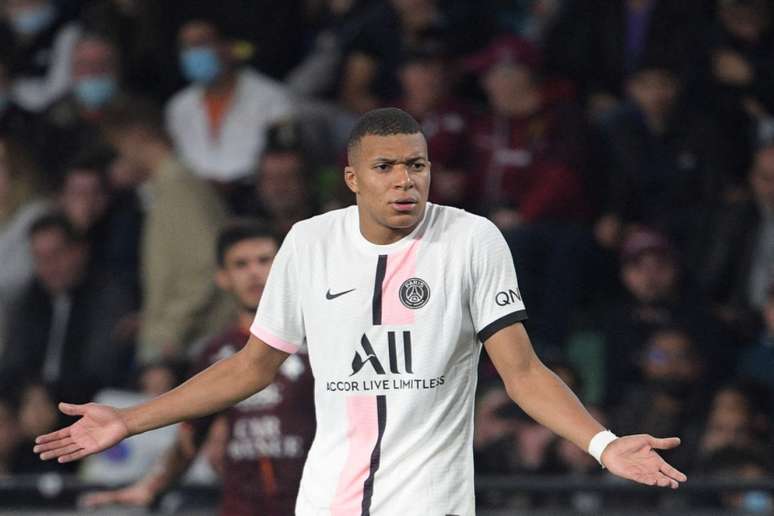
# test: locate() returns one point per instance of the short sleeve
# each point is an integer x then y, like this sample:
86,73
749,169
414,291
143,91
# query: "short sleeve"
495,300
279,320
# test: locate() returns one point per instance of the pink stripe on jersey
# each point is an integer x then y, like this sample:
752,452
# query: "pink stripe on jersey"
362,434
273,341
400,267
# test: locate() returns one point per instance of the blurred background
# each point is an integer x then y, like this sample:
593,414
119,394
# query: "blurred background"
624,147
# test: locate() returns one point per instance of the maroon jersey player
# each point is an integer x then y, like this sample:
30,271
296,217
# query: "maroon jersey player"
263,440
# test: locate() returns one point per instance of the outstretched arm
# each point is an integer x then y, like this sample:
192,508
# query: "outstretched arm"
217,387
550,402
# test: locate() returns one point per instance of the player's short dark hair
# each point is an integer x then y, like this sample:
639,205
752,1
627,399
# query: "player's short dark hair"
58,222
239,230
383,122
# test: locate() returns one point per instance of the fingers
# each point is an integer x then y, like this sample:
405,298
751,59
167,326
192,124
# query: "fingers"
52,445
53,436
672,472
665,443
658,479
71,409
81,453
94,500
59,452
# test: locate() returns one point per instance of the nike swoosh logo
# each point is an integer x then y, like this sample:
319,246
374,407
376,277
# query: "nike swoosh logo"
329,296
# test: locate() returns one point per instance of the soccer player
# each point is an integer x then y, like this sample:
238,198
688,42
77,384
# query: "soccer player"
268,434
392,299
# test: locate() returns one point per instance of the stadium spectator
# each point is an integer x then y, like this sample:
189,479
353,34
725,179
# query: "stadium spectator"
370,71
218,123
655,296
669,397
738,266
61,328
736,417
739,81
111,221
666,166
756,359
266,437
525,175
20,204
15,121
426,85
40,41
10,436
181,224
283,195
74,118
599,43
737,462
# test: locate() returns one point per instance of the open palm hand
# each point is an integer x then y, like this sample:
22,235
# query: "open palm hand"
634,457
99,428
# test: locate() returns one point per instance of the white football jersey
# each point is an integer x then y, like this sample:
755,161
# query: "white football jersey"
394,334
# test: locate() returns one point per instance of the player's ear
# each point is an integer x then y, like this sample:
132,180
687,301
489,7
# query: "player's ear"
350,177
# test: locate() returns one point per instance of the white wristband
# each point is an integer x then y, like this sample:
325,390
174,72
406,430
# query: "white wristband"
598,444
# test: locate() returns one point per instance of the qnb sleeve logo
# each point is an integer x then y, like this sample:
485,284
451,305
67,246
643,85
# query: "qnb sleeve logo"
507,297
369,356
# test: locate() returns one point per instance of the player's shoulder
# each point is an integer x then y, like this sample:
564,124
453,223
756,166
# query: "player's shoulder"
457,222
320,227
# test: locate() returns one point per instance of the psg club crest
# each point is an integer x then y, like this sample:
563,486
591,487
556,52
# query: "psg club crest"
414,293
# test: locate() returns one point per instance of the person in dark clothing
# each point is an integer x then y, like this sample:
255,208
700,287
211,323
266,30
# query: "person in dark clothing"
666,165
738,266
61,330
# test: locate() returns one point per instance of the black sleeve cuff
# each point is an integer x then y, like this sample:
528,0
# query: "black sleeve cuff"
502,322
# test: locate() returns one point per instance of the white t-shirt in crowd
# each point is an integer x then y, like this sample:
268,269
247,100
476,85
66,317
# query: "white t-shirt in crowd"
394,335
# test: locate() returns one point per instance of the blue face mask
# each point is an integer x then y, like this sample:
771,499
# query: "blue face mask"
200,64
94,92
33,20
757,502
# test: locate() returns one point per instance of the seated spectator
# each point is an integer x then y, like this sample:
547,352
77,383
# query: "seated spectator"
655,296
282,193
667,402
739,265
181,224
738,462
110,220
426,85
61,329
665,166
736,417
739,79
75,117
40,46
370,70
15,121
10,435
20,205
218,123
756,360
526,157
598,44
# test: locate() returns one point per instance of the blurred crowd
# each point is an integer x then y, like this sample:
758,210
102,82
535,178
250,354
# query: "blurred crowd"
624,147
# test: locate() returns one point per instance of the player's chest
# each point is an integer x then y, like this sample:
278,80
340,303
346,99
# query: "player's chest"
399,288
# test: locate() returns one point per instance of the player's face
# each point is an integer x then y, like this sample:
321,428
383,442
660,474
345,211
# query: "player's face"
245,270
390,176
